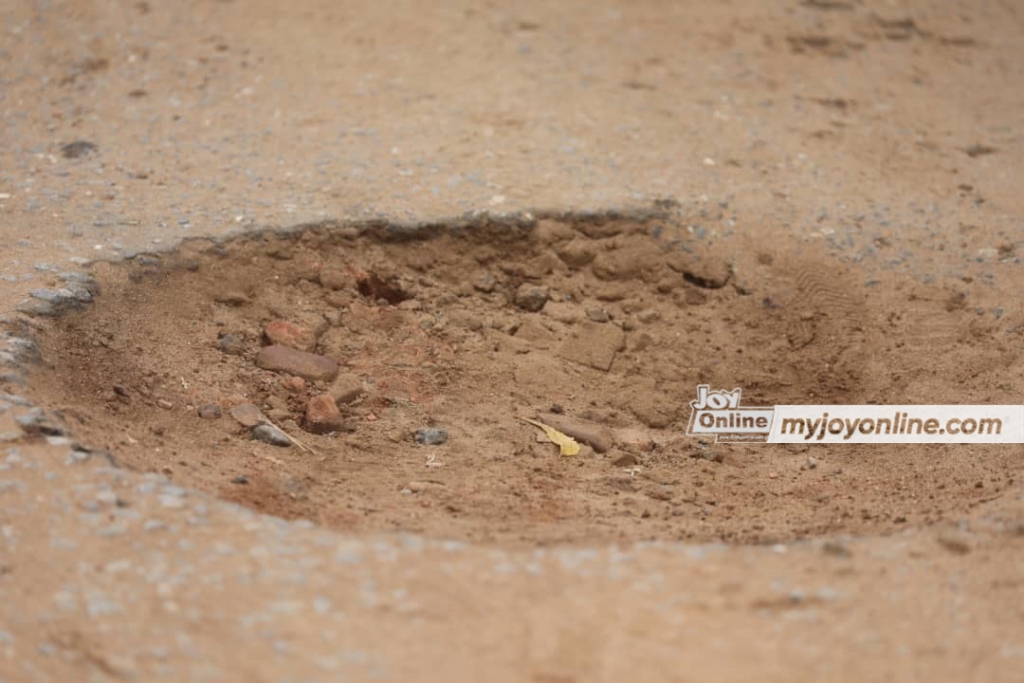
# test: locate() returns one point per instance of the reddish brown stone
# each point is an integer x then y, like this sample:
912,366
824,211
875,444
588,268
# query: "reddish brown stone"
285,333
299,363
322,415
247,415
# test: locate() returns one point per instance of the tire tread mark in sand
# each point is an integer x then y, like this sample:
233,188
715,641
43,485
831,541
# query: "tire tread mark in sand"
825,316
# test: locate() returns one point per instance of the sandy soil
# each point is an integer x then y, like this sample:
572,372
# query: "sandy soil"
473,214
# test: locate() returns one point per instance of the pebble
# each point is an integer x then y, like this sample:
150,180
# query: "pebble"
576,253
209,411
284,333
36,421
271,435
431,436
626,460
322,415
648,316
164,403
632,436
294,362
485,282
77,149
65,297
598,315
231,344
346,388
836,548
231,297
336,278
531,297
247,414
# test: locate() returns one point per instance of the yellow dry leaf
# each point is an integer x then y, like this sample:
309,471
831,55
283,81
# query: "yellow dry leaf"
566,444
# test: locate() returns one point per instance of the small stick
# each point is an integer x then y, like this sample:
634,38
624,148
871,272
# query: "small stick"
291,438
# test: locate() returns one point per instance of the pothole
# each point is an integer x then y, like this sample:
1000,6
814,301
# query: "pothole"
394,367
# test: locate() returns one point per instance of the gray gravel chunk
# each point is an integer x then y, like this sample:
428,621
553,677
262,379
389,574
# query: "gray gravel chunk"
271,435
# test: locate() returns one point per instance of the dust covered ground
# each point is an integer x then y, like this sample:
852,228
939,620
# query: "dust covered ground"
386,235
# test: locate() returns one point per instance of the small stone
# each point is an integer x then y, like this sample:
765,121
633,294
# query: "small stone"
631,436
241,480
811,462
626,460
35,421
209,411
836,549
322,415
299,363
294,384
231,344
337,278
485,282
346,388
77,149
338,299
576,253
285,333
648,316
64,296
164,403
431,436
231,297
531,297
247,415
598,315
271,435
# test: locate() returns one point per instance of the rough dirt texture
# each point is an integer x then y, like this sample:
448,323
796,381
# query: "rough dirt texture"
613,321
374,237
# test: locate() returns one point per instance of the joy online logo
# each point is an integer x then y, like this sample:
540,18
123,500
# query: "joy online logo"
718,412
